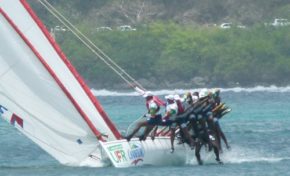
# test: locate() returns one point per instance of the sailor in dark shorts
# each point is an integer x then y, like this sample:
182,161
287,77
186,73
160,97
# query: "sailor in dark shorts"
169,118
185,107
153,118
202,133
204,136
219,110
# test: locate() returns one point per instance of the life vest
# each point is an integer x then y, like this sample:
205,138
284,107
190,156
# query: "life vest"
180,107
155,100
152,107
171,111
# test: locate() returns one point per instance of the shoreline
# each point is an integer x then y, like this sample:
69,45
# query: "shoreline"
131,92
180,85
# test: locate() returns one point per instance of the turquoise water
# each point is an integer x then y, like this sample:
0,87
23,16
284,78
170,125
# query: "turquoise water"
258,130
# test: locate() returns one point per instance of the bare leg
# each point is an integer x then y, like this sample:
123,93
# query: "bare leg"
187,137
139,125
214,130
217,154
197,152
218,137
222,136
224,139
148,129
214,144
154,133
172,137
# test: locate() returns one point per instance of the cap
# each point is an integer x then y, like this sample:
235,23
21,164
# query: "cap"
203,93
216,91
177,97
169,97
147,94
194,98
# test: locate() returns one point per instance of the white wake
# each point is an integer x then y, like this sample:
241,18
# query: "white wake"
273,88
237,155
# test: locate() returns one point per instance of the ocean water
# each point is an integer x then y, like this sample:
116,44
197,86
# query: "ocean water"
258,130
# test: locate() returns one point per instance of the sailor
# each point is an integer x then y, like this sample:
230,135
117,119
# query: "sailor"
201,126
216,95
153,118
169,118
207,109
217,113
185,107
196,94
220,108
204,136
207,114
179,103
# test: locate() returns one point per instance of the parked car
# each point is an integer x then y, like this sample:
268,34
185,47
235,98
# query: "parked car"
59,28
230,25
126,28
104,28
226,25
241,26
280,22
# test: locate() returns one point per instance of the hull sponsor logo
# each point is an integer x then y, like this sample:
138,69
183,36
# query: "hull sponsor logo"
118,154
136,153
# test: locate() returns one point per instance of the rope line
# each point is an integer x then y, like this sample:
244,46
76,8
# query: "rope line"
91,46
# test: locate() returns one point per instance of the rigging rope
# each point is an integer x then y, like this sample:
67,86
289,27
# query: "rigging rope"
91,46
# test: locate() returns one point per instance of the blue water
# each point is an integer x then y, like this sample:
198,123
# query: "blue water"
258,130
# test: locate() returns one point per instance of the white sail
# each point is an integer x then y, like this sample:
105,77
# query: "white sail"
42,94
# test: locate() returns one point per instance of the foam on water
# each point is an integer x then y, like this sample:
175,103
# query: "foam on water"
240,155
237,155
273,88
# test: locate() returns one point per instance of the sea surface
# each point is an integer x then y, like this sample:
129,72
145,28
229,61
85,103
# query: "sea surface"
258,130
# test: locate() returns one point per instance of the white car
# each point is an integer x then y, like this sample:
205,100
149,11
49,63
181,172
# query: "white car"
59,28
104,28
226,25
241,26
126,28
230,25
280,22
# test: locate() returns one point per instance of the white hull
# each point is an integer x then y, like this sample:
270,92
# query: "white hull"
148,152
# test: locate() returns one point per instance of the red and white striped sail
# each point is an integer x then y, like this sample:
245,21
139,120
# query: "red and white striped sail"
42,94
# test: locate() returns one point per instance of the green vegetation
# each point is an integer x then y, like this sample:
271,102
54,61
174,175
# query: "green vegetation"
174,44
166,54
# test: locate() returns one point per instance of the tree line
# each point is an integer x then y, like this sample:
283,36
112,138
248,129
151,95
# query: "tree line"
163,55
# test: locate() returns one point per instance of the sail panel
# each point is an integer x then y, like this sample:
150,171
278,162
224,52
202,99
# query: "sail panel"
39,91
48,116
91,104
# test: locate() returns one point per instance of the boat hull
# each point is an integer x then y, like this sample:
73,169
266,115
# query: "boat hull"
148,152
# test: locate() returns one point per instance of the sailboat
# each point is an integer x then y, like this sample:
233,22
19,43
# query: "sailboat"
45,98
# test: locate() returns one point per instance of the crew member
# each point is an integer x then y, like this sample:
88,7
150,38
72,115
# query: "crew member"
153,118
